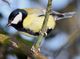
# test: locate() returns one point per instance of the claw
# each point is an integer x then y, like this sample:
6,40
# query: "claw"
36,51
33,49
45,34
39,50
41,33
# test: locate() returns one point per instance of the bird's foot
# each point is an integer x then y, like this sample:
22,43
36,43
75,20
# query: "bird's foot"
44,34
35,50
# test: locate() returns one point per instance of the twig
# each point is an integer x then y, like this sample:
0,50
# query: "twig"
44,27
6,2
16,44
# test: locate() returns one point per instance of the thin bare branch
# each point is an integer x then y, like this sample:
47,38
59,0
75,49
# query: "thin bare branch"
44,27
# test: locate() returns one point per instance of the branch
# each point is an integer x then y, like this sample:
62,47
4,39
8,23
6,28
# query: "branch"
16,44
44,27
36,47
6,2
19,46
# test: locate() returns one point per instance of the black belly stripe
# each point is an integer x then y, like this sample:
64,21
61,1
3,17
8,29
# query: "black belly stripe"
29,31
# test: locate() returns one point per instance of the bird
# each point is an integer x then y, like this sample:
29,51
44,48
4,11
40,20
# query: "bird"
29,21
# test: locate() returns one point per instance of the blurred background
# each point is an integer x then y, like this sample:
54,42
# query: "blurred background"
62,43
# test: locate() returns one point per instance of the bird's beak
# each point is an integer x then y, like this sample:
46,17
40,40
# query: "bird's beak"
9,24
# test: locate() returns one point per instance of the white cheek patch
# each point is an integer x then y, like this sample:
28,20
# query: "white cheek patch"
17,19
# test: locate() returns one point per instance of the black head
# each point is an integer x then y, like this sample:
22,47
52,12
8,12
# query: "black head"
16,18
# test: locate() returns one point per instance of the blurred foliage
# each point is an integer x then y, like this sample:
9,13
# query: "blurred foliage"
17,45
16,42
3,38
24,41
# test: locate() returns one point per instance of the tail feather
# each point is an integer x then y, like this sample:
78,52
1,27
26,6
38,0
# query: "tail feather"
66,15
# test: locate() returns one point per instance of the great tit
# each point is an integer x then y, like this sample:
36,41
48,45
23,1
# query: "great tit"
30,20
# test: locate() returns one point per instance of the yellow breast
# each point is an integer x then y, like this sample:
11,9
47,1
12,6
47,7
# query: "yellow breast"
34,23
